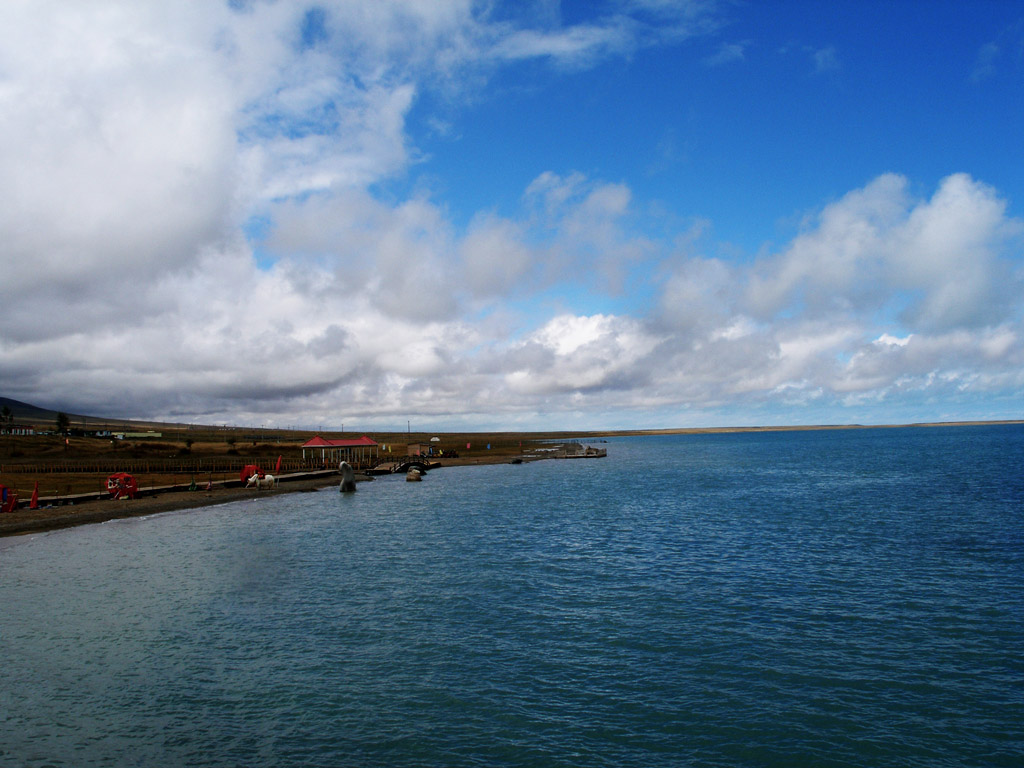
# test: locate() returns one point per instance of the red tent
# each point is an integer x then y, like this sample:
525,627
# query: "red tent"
248,471
8,499
122,485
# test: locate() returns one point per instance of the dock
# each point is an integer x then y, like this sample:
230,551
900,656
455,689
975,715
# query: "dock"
566,451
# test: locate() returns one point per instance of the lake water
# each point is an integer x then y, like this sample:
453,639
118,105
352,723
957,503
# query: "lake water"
835,598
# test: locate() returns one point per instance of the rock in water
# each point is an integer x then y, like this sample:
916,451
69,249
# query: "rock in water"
348,477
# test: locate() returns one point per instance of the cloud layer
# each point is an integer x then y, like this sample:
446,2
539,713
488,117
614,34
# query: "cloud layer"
193,230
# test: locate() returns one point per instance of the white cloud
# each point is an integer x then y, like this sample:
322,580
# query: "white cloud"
940,259
892,341
116,169
555,190
948,249
727,53
985,63
825,59
699,296
399,258
573,353
577,45
494,256
836,262
588,222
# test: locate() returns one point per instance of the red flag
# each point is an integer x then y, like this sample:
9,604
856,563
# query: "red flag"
34,504
277,467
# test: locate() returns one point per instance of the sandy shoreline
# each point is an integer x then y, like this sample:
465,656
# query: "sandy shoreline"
52,518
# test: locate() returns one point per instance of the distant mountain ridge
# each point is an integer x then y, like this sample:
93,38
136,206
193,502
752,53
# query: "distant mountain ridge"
26,413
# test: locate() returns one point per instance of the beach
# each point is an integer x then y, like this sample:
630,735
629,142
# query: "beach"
26,520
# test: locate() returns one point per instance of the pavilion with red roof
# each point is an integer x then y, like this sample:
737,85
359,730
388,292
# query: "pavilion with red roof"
360,451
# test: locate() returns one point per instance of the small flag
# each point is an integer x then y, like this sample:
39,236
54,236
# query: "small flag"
277,467
34,504
467,446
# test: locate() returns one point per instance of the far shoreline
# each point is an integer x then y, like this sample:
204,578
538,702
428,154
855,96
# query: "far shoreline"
797,428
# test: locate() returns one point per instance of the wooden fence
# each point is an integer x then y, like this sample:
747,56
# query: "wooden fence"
181,466
149,466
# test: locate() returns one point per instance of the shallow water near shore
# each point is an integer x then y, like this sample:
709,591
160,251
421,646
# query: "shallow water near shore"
833,598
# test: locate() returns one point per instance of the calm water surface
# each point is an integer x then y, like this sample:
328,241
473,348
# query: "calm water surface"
848,598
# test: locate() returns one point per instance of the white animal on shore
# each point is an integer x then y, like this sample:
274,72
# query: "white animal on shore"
267,481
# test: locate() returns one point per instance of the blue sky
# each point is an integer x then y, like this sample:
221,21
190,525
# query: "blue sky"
631,213
787,106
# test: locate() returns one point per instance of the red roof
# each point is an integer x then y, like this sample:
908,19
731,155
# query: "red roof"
322,442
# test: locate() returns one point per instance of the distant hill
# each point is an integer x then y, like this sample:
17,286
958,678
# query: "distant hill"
26,413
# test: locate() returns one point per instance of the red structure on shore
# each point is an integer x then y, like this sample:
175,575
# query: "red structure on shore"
359,452
121,485
8,499
249,470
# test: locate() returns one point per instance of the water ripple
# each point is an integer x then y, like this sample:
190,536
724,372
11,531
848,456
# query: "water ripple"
827,599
